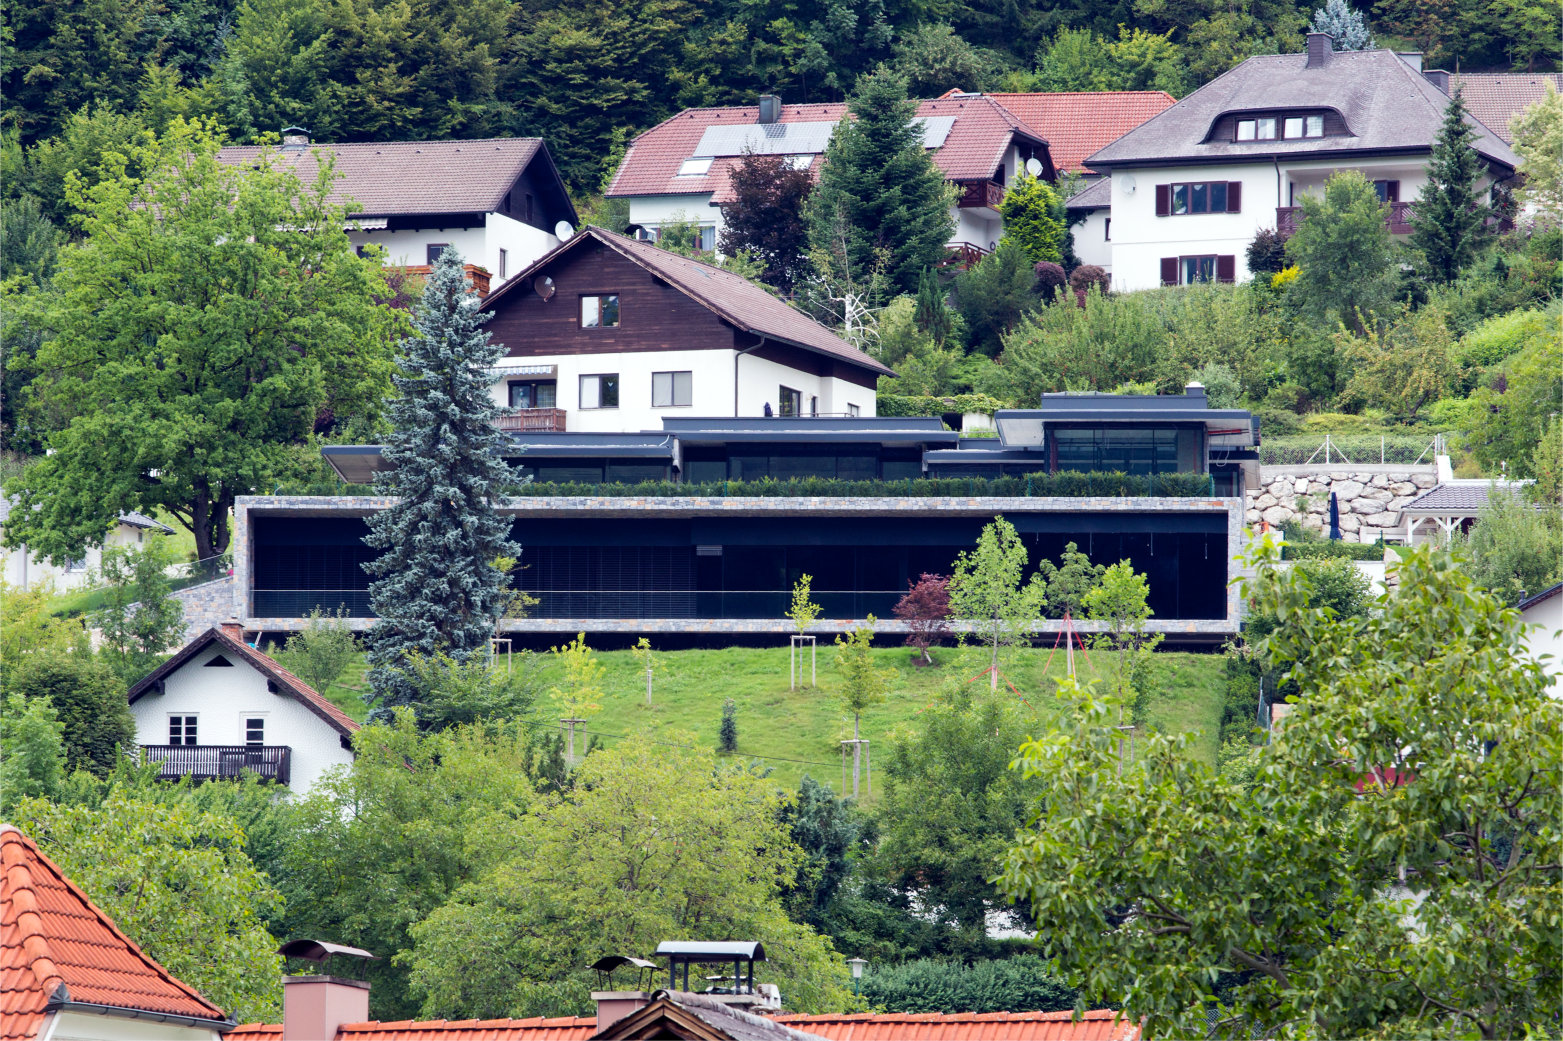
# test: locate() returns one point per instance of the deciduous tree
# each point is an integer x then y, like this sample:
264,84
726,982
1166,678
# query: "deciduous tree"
926,611
1120,599
89,699
321,651
765,217
863,684
989,589
140,619
1538,140
1343,252
1068,582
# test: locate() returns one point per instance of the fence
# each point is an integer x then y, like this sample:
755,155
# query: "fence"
213,762
1351,449
182,576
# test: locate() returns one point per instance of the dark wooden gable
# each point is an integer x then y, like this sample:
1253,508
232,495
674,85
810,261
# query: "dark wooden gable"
653,316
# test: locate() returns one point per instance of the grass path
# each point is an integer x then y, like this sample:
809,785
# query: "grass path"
798,732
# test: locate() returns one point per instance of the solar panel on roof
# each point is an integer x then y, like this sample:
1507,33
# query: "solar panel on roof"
935,129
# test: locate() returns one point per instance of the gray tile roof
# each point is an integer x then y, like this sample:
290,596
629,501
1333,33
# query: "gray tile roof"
389,178
1387,106
732,297
1094,196
1459,496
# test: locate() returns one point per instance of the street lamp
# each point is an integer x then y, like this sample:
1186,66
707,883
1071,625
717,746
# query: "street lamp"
857,975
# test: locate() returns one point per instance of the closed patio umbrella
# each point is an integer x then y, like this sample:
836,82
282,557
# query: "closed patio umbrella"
1334,516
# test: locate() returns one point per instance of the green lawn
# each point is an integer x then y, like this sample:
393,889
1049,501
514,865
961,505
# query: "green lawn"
798,732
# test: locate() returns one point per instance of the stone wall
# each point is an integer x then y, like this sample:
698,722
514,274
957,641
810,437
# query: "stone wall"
1369,502
206,605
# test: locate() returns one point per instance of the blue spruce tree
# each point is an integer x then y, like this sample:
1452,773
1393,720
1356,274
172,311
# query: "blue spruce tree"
1348,27
436,589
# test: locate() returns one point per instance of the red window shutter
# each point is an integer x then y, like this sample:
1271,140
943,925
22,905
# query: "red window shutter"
1163,200
1226,268
1234,196
1169,271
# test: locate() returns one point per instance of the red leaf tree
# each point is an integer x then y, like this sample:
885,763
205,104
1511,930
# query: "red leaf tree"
926,610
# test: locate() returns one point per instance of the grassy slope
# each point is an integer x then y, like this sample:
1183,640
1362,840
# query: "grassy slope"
785,726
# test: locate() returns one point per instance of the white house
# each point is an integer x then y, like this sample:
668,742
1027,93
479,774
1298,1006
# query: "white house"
1542,616
1191,187
498,201
609,334
220,707
678,170
24,569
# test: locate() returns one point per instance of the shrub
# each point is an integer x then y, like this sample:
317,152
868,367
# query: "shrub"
1267,253
1021,983
1085,276
1503,335
1332,549
1065,484
1220,382
1050,277
728,736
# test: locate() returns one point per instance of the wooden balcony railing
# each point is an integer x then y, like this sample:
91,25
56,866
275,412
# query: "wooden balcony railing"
532,420
214,762
477,277
981,193
963,255
1399,219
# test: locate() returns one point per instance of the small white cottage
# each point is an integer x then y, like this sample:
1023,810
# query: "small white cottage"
220,707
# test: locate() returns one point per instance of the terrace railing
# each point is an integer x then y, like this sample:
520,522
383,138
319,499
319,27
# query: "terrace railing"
549,420
220,762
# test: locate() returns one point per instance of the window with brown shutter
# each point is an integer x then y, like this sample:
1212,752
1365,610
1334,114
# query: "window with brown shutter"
1163,200
1226,268
1169,271
1234,196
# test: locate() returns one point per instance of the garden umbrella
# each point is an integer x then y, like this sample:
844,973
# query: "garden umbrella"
1334,516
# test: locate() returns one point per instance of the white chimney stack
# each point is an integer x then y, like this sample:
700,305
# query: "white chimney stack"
313,1007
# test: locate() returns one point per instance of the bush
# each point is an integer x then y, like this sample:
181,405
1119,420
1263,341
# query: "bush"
1220,382
1332,549
1065,484
1296,449
1085,276
909,405
1499,337
1022,983
1050,277
992,296
90,700
1267,253
728,734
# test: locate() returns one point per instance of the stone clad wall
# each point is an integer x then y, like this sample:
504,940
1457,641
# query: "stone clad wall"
1369,502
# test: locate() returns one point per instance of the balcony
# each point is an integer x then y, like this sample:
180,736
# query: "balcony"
977,194
532,420
1399,220
220,762
963,255
477,277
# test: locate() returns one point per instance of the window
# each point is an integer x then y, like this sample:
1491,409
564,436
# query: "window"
218,662
1107,230
1245,130
672,389
600,312
600,391
1263,128
1313,126
799,162
1199,197
181,730
791,401
1266,128
506,204
534,394
1198,269
696,167
433,250
853,410
813,405
1293,127
707,241
504,262
1387,191
76,566
528,205
254,731
1183,271
1127,449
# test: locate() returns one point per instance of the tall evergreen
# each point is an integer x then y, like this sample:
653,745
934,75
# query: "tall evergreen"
1449,220
880,191
437,589
932,316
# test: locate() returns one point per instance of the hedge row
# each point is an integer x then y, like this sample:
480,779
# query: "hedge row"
1064,485
1328,549
1295,449
1024,982
911,405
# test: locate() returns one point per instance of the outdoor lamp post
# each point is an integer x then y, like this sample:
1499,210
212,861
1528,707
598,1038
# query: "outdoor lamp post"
857,975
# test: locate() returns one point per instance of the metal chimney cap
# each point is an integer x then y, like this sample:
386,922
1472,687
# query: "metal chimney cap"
610,962
718,950
319,950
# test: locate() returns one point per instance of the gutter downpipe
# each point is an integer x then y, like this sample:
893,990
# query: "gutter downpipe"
760,343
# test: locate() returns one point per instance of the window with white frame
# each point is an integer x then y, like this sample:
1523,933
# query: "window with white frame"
504,263
600,390
181,730
672,389
600,311
254,730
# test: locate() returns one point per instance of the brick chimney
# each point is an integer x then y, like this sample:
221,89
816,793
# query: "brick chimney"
614,1005
1320,47
232,628
314,1007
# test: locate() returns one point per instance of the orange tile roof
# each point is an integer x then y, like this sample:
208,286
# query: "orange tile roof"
1078,123
55,946
982,130
286,682
1095,1025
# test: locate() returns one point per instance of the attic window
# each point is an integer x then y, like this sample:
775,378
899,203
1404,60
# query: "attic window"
696,167
218,662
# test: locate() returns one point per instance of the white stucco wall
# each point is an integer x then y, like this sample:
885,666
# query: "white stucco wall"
980,227
1544,636
86,1026
656,210
1140,238
25,569
222,698
480,246
1091,243
711,384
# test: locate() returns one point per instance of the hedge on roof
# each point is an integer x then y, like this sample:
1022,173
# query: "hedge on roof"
898,405
1036,485
1328,549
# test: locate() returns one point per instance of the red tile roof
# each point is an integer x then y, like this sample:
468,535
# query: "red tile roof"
56,945
1078,123
733,298
1494,98
1095,1025
982,131
286,682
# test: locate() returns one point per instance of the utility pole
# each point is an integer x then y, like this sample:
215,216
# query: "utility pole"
570,741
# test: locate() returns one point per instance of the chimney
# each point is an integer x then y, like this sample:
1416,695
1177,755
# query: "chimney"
1320,47
1411,58
1438,78
770,108
232,628
314,1007
614,1005
1195,390
295,137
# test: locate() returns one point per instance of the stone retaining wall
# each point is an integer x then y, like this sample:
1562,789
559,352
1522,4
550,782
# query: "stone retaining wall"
1369,502
206,605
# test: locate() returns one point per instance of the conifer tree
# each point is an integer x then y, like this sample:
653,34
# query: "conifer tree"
1449,220
1347,28
437,589
879,190
933,317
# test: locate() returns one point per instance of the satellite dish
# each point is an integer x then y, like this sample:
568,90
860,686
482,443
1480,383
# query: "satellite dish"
563,230
1128,185
1034,167
544,287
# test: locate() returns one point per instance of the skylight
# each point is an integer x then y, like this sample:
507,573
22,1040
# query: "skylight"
695,167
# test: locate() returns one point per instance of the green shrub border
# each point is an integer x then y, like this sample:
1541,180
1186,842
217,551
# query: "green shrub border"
1332,548
903,405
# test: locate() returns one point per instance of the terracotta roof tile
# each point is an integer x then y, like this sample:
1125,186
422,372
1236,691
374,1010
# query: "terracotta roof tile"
52,936
732,297
982,130
1095,1025
1078,123
286,682
410,177
1494,98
